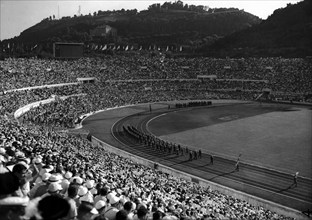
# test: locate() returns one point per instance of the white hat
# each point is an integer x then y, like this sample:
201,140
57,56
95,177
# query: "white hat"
90,184
37,160
68,175
93,191
45,176
82,191
100,204
94,211
170,217
2,150
110,195
54,178
86,198
19,154
113,199
77,179
123,200
53,187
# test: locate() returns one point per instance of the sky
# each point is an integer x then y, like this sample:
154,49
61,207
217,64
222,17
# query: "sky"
18,15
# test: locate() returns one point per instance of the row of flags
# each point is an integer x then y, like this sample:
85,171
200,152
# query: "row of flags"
12,47
17,47
131,47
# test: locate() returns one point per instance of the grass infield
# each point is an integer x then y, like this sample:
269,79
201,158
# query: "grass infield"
271,135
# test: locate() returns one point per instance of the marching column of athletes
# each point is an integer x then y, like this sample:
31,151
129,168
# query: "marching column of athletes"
168,147
172,148
161,145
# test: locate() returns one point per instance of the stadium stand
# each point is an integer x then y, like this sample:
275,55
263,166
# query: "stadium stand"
45,171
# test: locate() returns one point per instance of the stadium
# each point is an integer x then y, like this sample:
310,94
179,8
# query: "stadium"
100,122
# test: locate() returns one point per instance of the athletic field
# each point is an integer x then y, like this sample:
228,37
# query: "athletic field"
271,136
275,136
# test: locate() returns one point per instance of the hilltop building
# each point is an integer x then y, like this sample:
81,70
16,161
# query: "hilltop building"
104,31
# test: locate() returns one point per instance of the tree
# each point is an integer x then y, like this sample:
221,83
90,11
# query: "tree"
50,18
53,17
206,8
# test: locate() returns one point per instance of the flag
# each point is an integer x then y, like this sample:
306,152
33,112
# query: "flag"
34,47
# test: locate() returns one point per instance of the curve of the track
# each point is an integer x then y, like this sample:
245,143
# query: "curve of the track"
265,183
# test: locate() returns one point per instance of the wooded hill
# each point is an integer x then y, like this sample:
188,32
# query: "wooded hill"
162,25
287,33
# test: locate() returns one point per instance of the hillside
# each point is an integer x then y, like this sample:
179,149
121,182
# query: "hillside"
161,25
287,32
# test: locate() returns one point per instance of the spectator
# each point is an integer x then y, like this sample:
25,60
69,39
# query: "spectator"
111,211
20,170
72,193
121,215
102,196
141,213
86,211
49,207
11,207
128,207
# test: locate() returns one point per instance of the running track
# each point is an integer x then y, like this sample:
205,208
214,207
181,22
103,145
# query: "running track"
264,183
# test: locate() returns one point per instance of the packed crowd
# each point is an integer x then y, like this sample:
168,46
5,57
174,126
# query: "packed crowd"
283,75
64,113
190,85
50,175
44,172
12,101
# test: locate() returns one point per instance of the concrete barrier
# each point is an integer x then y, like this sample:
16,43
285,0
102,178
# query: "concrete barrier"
41,87
253,200
19,112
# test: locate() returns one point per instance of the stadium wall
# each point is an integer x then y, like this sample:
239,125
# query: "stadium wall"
255,201
21,111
